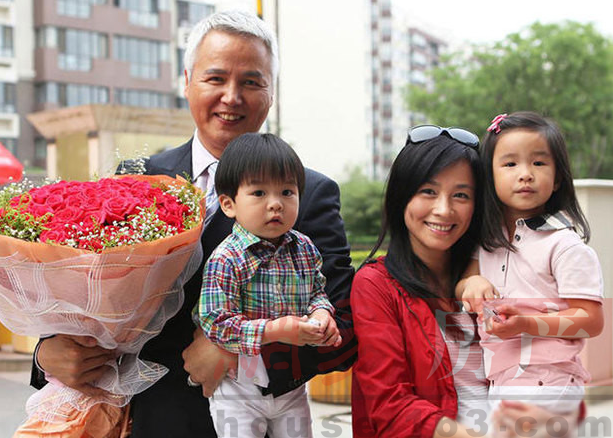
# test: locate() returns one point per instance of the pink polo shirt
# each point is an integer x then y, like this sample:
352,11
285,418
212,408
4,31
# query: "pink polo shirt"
551,263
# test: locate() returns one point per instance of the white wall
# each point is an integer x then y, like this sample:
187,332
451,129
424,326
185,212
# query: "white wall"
322,76
596,200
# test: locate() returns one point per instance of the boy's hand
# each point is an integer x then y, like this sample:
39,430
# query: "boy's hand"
512,322
331,334
292,330
476,290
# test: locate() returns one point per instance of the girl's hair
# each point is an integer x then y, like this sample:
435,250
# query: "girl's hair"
261,157
415,165
563,198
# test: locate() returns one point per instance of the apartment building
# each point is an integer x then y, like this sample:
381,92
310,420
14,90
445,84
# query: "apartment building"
401,55
9,117
60,53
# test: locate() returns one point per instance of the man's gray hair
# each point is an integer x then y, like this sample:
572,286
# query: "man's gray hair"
234,22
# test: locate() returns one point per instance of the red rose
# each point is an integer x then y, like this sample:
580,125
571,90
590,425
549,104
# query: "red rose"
56,234
55,201
117,209
39,210
67,214
76,200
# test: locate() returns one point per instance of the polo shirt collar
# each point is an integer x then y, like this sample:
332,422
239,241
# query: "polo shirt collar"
550,222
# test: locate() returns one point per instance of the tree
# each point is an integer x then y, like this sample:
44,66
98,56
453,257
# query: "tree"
361,201
564,71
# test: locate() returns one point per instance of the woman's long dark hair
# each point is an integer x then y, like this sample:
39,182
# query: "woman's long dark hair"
563,198
415,165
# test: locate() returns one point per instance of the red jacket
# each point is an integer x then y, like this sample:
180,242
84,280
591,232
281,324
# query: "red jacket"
402,380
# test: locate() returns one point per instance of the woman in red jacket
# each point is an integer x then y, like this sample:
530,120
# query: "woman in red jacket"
419,364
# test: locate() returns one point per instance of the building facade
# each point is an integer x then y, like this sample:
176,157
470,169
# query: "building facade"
63,53
401,54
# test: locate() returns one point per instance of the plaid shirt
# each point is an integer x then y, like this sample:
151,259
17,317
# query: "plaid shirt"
248,281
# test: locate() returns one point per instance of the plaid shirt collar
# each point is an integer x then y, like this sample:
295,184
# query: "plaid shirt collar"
245,239
550,222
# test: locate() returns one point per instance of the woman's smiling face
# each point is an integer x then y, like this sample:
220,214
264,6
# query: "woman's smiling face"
440,212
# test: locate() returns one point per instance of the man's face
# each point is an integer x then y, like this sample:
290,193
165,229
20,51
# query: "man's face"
230,90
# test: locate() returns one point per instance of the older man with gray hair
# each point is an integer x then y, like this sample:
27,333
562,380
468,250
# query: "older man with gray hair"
231,65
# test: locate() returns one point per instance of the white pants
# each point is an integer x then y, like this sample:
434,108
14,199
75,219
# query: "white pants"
545,386
240,410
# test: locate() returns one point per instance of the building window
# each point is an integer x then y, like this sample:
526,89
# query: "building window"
6,41
190,13
434,48
7,97
144,56
77,48
418,77
77,8
418,59
46,36
71,94
143,12
182,103
10,144
180,68
418,40
40,151
144,98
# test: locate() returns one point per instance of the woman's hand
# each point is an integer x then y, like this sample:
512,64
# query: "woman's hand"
75,361
522,420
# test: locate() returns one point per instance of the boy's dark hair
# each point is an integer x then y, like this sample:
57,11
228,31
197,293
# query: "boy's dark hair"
254,156
563,198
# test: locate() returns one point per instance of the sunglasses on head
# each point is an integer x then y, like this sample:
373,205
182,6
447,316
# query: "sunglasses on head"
422,133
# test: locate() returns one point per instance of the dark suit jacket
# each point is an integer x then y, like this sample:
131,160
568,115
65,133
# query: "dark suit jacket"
170,408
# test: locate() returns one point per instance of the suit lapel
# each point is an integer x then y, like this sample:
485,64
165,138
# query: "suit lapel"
177,161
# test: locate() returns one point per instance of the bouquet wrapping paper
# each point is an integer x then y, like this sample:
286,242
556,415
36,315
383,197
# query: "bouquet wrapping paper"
122,296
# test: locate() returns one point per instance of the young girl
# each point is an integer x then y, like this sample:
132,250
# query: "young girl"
535,258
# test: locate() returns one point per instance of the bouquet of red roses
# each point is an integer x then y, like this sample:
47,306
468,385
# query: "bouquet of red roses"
106,259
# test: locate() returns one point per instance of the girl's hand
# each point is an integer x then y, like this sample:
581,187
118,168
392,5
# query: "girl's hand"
476,290
331,336
512,322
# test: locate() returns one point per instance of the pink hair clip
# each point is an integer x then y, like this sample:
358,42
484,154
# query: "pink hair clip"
495,126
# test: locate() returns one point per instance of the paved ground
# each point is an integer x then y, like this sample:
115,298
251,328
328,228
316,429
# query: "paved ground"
14,392
330,421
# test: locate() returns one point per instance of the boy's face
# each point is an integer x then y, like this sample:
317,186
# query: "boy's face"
267,209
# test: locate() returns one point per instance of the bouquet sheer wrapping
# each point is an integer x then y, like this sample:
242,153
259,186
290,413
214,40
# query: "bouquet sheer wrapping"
122,296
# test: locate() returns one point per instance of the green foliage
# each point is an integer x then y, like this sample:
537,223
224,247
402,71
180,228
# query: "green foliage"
564,71
361,201
358,257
